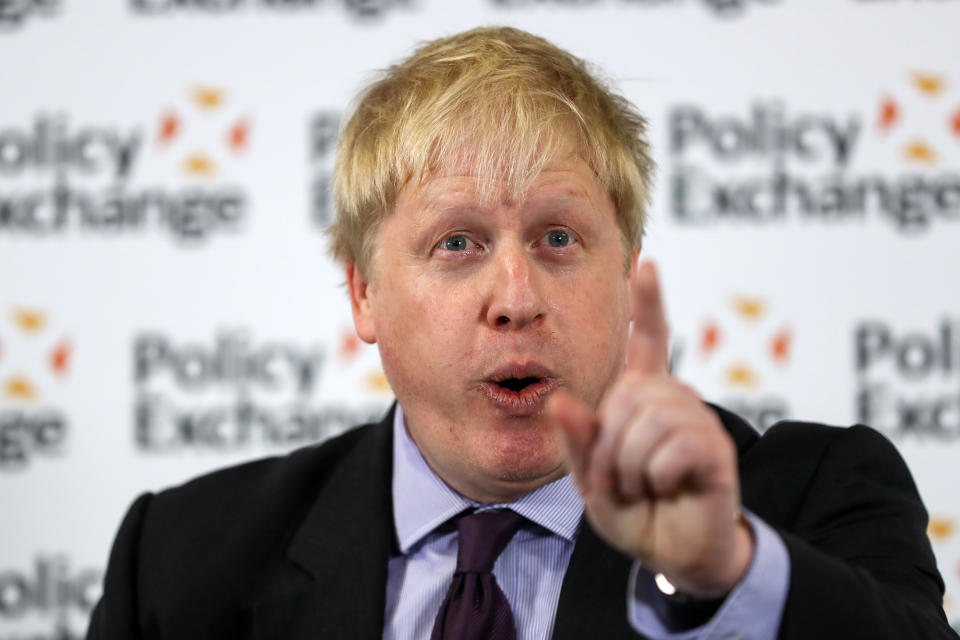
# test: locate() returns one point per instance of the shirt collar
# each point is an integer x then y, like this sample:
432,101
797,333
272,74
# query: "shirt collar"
422,501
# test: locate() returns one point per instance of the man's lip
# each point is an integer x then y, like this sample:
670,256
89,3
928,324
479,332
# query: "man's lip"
529,369
523,402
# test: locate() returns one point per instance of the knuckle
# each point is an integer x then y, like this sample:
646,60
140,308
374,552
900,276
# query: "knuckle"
691,444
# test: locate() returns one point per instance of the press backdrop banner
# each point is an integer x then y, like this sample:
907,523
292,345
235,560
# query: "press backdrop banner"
167,306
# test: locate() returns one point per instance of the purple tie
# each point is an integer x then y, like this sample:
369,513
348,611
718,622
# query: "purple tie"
475,607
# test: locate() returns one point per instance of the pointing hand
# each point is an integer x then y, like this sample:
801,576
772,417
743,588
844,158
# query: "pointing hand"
657,470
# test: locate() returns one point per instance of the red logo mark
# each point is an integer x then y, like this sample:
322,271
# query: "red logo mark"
780,346
889,113
169,127
60,358
709,338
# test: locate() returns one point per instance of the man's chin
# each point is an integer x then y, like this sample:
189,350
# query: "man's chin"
513,479
534,479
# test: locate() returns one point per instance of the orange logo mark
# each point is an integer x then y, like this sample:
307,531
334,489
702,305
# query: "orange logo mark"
751,314
749,308
169,127
710,338
741,375
929,83
199,164
377,381
780,345
940,529
29,320
208,97
60,358
931,86
889,114
19,388
920,151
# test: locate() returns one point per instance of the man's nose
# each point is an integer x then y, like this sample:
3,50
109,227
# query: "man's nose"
514,293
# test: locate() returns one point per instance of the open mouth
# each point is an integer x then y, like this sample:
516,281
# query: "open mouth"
519,390
518,384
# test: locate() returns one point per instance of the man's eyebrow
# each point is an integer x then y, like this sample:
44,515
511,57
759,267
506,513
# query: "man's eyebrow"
569,202
440,200
566,199
444,206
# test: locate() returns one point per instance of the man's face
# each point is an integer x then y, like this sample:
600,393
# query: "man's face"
480,311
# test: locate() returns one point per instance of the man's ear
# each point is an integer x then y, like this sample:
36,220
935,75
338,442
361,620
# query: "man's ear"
360,303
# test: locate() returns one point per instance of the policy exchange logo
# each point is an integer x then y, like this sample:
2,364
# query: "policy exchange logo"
35,360
175,171
921,121
739,352
203,135
777,163
236,390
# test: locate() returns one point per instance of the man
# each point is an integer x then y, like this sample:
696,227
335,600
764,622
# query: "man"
490,203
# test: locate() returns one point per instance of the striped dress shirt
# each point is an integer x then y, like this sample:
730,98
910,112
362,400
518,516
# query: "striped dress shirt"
530,570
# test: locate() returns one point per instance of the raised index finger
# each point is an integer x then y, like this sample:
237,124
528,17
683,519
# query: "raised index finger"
647,349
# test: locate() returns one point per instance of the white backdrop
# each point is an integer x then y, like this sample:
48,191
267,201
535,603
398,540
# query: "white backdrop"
167,307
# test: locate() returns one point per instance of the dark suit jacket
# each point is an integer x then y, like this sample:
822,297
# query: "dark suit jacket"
297,547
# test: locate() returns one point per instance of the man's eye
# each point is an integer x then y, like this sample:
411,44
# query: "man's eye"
456,243
558,238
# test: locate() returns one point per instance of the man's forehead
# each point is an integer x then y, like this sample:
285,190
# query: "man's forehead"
457,187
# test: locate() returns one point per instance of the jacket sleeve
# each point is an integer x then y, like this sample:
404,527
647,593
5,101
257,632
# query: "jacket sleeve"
861,565
116,615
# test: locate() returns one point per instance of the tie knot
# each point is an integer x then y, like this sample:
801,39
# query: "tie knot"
483,536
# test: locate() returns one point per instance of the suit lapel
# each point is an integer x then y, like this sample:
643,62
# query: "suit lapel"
744,435
344,544
594,592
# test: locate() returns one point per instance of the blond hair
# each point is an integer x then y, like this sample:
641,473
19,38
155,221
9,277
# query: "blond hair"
498,100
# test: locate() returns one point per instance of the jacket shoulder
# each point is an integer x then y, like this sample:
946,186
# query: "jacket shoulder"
250,511
250,482
793,460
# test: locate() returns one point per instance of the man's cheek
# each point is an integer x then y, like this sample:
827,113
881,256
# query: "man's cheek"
604,325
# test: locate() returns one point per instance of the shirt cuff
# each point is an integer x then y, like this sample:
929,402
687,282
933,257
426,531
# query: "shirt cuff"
752,611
